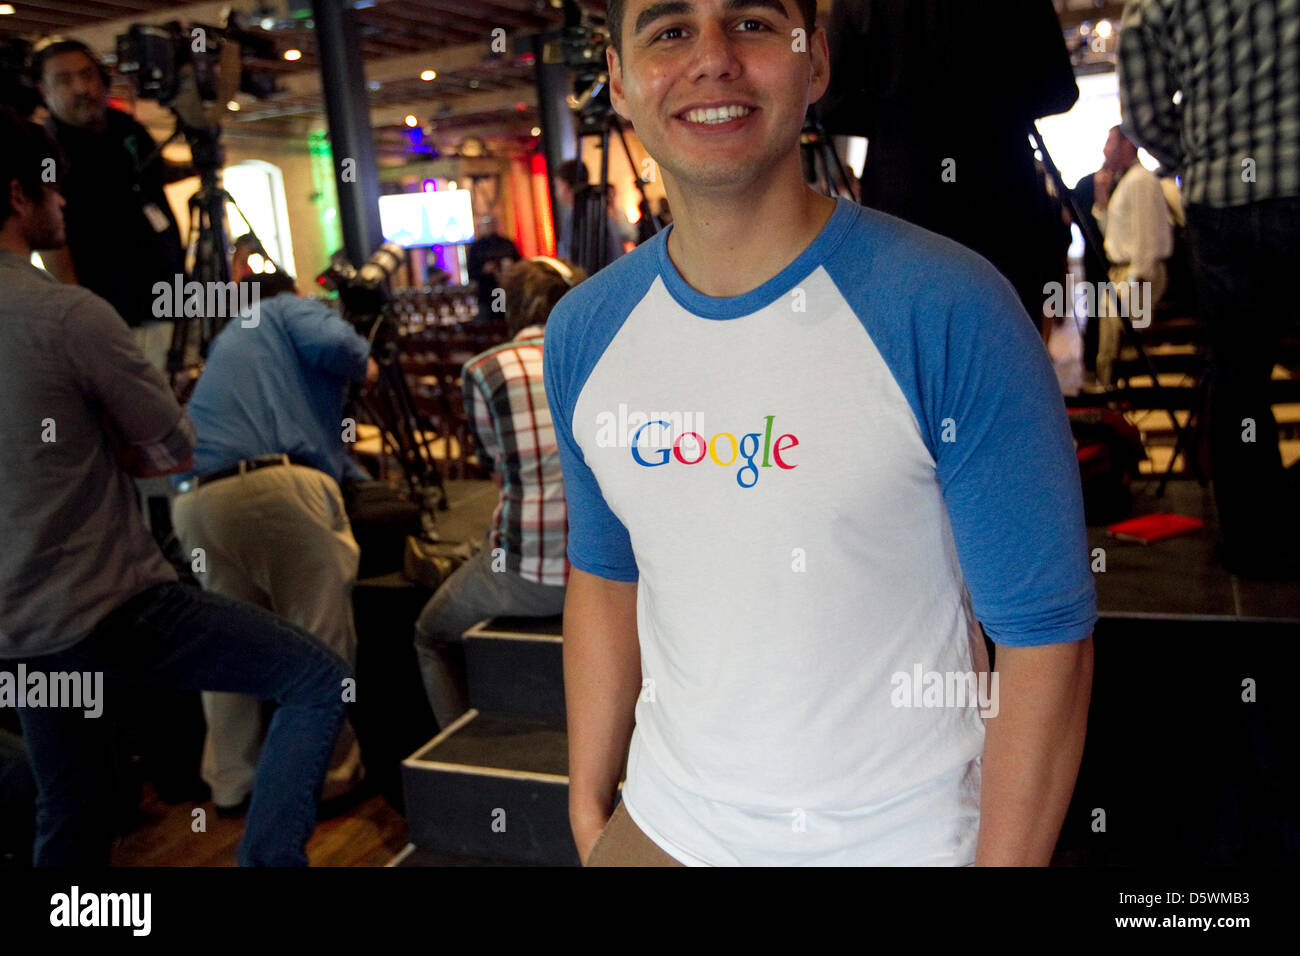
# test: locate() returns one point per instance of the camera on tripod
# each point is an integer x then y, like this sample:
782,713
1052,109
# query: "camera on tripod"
582,48
407,434
195,70
363,292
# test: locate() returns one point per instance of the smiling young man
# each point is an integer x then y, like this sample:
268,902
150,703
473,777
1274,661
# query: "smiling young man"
866,457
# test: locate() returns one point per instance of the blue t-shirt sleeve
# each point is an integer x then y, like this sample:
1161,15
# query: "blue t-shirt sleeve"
323,339
598,542
996,424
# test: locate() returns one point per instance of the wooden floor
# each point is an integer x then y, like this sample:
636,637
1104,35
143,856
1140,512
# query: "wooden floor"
370,835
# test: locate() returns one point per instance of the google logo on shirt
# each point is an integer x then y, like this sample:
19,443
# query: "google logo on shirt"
720,445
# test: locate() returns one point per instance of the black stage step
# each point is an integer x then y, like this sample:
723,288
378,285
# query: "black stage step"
515,666
494,786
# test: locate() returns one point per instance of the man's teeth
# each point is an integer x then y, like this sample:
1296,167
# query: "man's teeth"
719,114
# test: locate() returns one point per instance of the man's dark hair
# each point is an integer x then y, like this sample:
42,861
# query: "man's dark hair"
614,20
271,284
55,45
250,243
27,159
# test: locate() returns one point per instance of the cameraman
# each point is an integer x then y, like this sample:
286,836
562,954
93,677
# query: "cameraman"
113,188
263,501
83,587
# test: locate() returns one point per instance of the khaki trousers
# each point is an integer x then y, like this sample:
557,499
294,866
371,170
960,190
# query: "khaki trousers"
622,843
1110,329
278,538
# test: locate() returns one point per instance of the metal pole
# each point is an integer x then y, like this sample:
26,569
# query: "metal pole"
559,141
343,80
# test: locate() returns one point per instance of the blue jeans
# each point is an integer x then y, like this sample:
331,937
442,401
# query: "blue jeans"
1245,258
178,636
472,593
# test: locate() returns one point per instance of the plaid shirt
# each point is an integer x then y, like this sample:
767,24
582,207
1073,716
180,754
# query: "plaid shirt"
1237,63
506,404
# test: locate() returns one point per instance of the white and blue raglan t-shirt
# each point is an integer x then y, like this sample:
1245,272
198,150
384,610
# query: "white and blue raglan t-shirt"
820,487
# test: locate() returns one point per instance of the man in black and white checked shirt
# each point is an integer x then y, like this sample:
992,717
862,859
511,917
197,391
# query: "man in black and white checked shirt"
1234,137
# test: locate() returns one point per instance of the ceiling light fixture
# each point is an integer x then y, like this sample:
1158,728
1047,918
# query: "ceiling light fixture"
292,55
428,75
411,120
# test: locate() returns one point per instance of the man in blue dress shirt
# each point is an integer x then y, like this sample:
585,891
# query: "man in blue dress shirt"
264,506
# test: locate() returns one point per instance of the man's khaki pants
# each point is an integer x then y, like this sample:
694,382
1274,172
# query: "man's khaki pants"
1111,328
623,843
277,537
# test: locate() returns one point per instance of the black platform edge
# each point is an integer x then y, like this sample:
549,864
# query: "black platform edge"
515,673
519,628
473,744
461,808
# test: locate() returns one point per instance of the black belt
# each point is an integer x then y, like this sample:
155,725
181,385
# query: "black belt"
247,465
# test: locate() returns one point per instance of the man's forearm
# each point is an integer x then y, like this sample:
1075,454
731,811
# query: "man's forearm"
602,679
1032,750
170,455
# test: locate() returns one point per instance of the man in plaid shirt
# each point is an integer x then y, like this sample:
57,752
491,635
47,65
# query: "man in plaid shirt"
1234,137
523,570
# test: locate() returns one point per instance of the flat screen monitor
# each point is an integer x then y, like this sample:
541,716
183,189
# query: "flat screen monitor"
427,218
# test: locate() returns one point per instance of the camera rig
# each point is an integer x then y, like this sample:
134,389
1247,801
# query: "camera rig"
194,70
582,47
364,301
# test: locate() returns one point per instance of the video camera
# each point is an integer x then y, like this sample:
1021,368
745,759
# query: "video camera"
407,432
364,291
188,68
581,46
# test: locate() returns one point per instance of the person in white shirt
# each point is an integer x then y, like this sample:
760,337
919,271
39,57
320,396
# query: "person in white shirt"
812,456
1134,216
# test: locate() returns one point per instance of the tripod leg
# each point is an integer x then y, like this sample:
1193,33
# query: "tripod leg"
636,178
602,219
